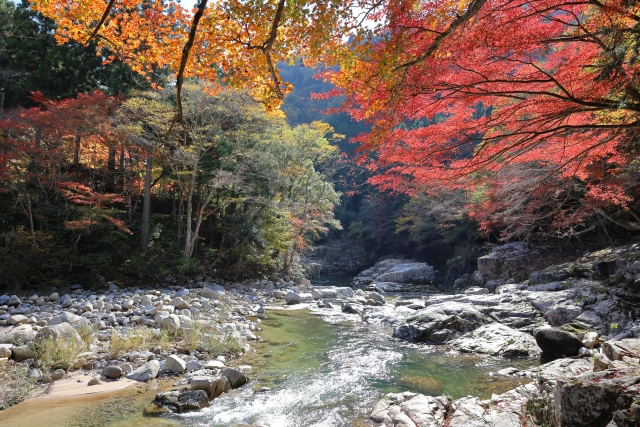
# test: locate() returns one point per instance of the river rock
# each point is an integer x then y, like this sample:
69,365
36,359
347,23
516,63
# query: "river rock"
70,318
616,350
556,343
21,333
411,410
17,319
352,308
235,377
14,301
112,372
292,298
58,374
214,364
146,372
440,323
23,352
64,334
174,364
213,386
183,401
179,303
170,322
5,350
497,339
561,315
591,339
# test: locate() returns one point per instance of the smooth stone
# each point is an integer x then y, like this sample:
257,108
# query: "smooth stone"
146,372
556,343
174,364
112,372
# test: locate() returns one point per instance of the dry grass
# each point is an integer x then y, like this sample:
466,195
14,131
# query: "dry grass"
58,353
137,339
15,385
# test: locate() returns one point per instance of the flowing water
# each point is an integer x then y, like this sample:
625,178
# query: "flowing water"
322,370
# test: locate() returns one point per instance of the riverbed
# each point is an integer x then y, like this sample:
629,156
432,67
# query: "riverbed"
321,369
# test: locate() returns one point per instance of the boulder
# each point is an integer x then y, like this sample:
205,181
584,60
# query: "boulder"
70,318
441,322
6,350
188,400
497,339
591,339
235,377
17,319
174,364
14,301
561,315
146,372
170,322
23,352
616,350
411,410
179,303
352,308
112,372
213,386
556,343
63,333
21,333
292,298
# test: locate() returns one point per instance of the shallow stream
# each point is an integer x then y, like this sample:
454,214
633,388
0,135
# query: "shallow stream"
322,370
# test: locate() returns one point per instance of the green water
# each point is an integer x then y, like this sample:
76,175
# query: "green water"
329,372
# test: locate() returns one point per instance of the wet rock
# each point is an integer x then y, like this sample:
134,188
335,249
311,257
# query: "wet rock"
556,343
146,372
213,386
352,308
235,377
497,339
184,401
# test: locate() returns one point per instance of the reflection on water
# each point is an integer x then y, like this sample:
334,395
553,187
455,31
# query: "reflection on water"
330,374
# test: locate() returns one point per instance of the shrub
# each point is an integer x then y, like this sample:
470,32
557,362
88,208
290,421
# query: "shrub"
15,385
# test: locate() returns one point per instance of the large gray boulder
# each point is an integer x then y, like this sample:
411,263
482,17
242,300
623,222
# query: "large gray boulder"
146,372
556,343
498,340
63,333
188,400
440,323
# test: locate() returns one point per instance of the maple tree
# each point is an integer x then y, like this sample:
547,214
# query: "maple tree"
233,43
460,93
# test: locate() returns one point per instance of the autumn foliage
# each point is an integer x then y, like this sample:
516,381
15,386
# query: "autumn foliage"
528,103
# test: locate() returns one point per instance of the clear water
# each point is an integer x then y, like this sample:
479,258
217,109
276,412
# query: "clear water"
327,372
322,372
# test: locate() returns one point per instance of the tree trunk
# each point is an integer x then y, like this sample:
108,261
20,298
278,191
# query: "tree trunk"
111,158
146,209
76,152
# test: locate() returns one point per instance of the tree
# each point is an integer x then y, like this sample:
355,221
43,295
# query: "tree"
32,61
457,91
234,43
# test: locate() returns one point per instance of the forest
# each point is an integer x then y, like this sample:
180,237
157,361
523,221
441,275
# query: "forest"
140,139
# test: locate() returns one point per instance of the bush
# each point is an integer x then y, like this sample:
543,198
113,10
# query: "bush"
15,385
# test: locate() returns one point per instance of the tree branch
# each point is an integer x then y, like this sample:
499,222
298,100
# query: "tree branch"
472,10
105,15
